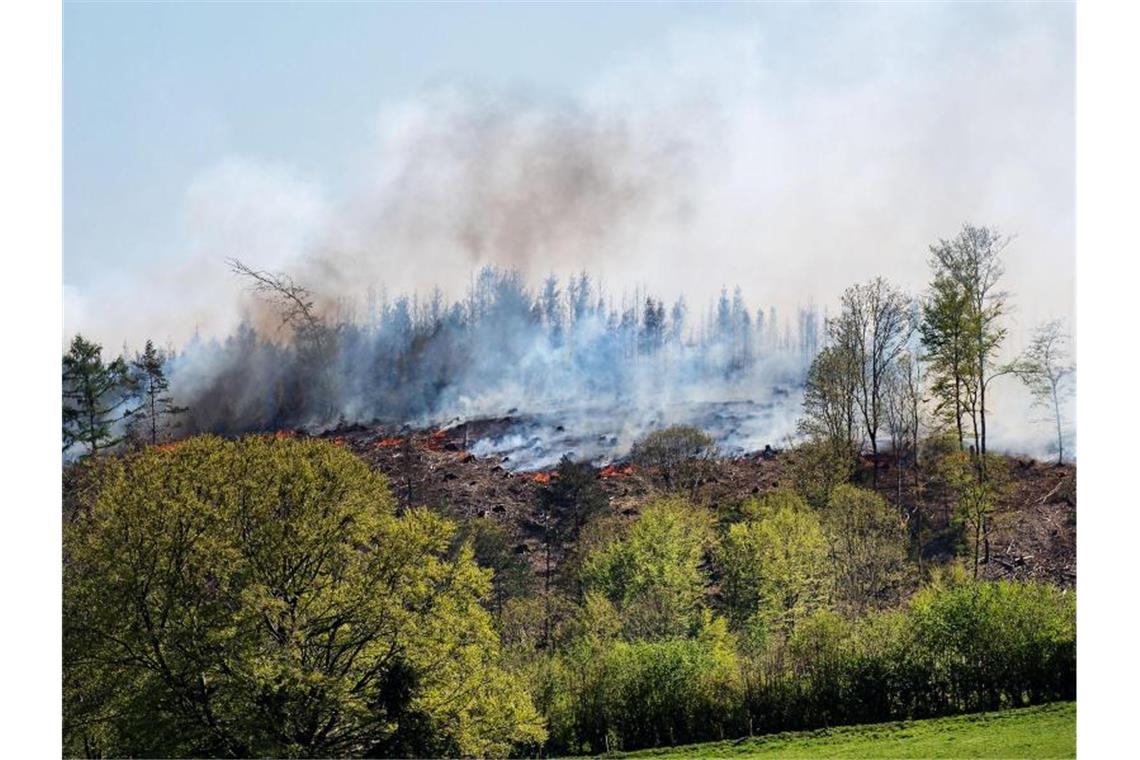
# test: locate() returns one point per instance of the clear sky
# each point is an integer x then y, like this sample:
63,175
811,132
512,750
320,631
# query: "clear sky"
838,113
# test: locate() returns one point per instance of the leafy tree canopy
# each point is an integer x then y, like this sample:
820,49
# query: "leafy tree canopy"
261,598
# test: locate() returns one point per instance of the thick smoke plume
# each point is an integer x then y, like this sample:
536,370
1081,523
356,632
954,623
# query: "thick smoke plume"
709,161
580,374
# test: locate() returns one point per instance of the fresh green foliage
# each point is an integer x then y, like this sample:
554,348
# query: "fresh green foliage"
962,324
868,545
261,597
653,574
1043,732
958,646
94,393
945,331
774,565
615,694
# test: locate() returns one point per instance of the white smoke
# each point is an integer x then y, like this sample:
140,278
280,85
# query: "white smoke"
703,161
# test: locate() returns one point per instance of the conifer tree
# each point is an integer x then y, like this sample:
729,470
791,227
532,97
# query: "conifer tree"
93,394
157,409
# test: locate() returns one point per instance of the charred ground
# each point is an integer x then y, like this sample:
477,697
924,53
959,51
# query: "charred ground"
1033,534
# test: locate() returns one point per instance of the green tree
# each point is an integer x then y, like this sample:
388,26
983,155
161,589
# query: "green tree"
977,496
774,565
572,497
261,598
970,267
93,395
157,411
653,574
868,546
949,351
494,548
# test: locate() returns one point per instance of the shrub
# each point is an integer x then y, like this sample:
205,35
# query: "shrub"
628,695
680,455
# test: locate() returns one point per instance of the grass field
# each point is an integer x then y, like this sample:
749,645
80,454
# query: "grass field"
1048,731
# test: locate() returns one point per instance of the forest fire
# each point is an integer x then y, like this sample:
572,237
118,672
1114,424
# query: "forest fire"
437,441
389,442
616,471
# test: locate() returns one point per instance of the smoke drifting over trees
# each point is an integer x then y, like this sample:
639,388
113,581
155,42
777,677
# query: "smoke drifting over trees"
502,348
707,160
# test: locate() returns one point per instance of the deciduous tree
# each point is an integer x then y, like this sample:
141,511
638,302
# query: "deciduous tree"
261,598
1046,367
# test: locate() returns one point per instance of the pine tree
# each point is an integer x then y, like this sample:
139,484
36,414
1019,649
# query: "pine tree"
157,409
93,394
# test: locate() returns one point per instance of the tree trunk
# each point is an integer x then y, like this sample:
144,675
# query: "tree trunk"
1057,415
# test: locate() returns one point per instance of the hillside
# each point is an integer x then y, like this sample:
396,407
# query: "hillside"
1033,534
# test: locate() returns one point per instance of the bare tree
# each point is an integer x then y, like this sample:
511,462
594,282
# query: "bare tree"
315,340
901,409
1045,367
876,325
293,302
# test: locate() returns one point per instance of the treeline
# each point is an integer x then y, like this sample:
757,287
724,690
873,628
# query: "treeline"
410,358
264,597
690,624
914,374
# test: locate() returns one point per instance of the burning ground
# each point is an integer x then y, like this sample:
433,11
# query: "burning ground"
1033,535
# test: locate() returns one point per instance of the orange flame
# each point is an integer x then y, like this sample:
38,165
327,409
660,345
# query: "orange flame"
436,440
543,477
615,471
389,442
281,435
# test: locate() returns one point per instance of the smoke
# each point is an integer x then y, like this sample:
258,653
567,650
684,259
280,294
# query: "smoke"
715,157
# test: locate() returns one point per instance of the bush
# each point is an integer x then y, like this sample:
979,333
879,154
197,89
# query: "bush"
680,455
260,597
958,648
628,695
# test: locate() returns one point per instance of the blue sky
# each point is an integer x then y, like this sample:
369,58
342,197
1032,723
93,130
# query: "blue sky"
957,110
156,92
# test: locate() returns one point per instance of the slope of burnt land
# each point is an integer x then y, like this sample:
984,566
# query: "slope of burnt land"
1033,533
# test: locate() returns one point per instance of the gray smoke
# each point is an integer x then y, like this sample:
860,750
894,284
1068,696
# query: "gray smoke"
702,163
